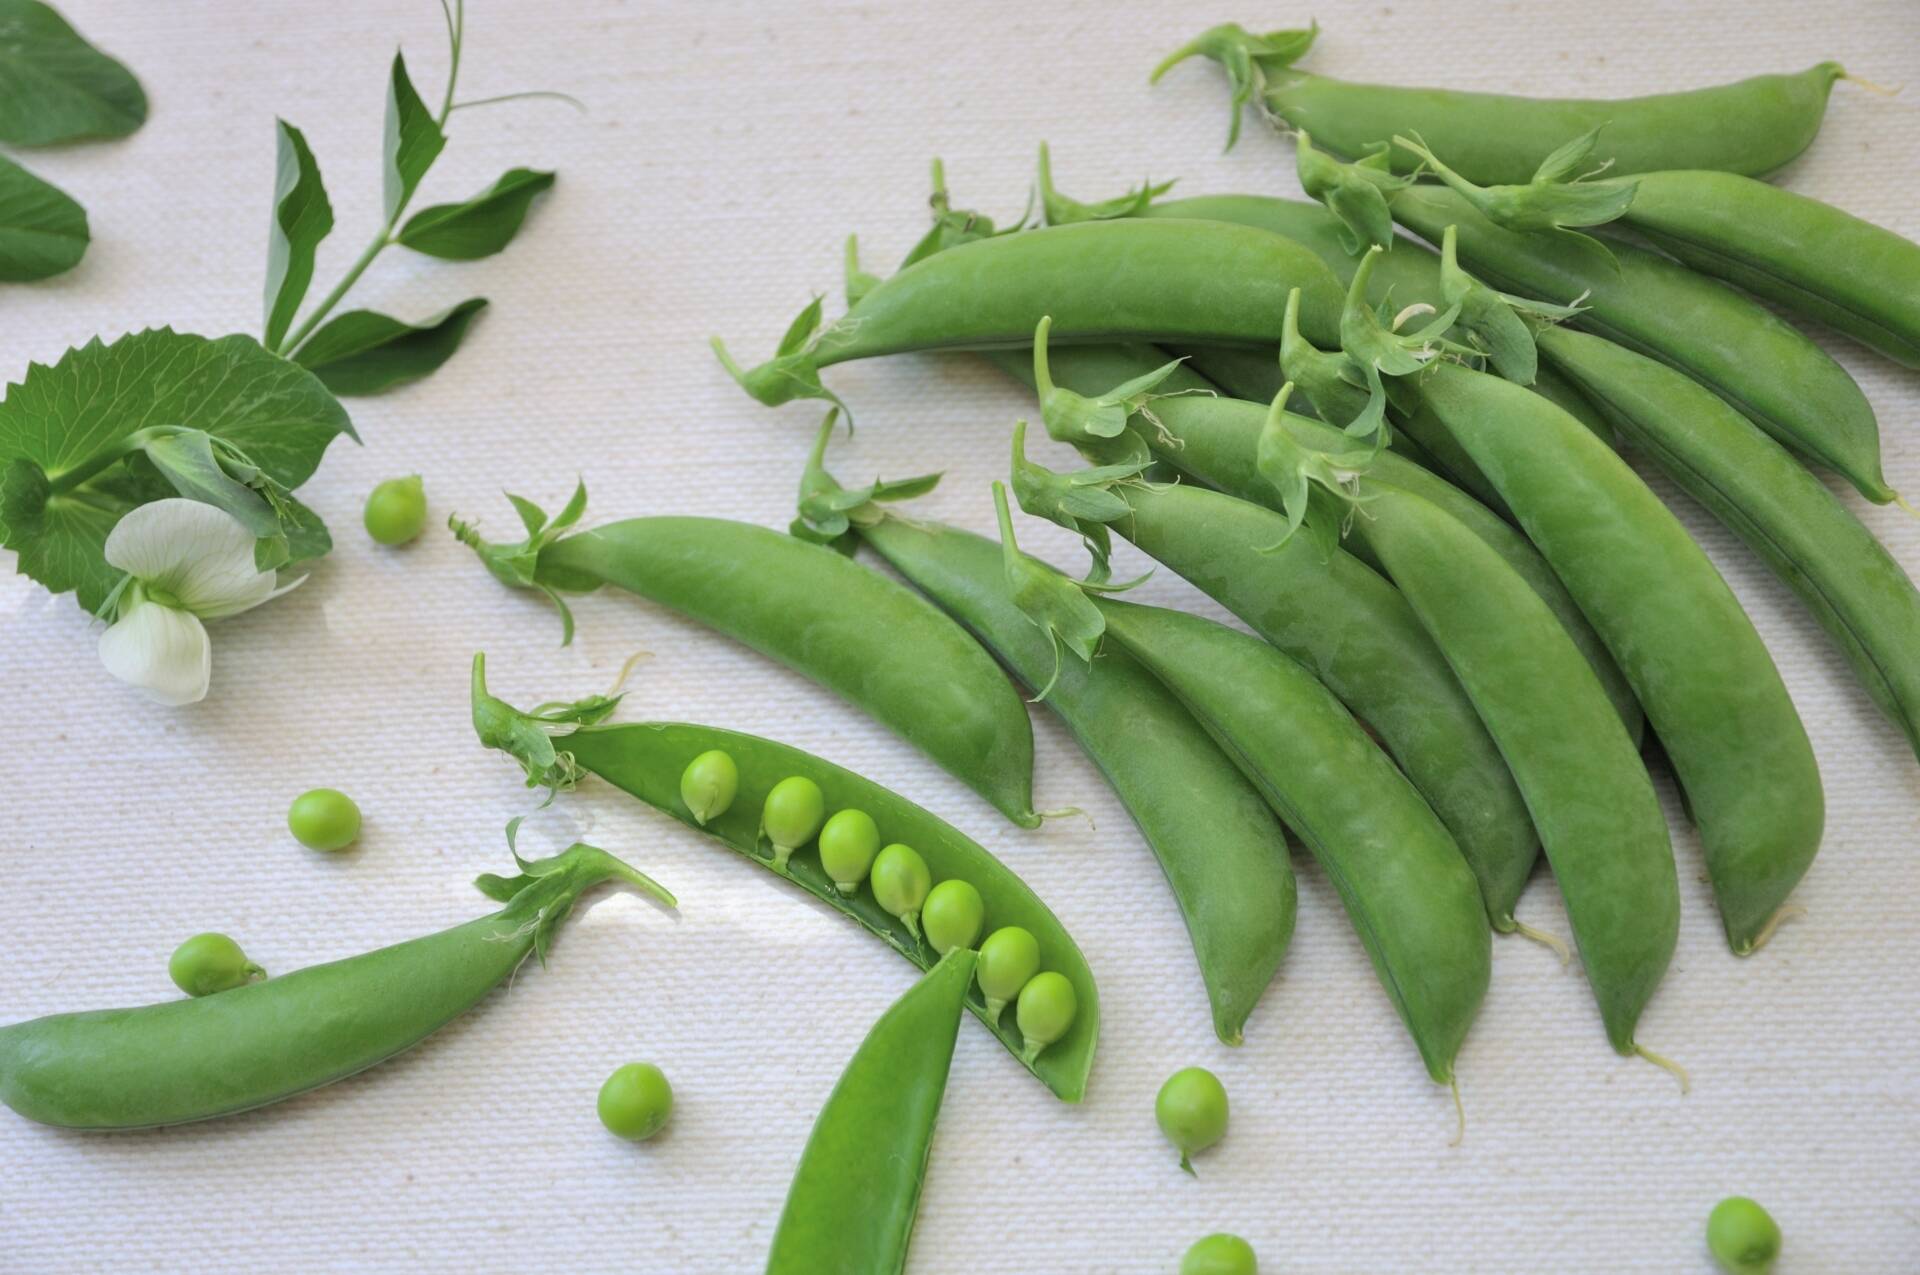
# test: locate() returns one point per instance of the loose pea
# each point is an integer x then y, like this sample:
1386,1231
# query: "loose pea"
1220,1254
1192,1111
1742,1237
900,884
324,819
848,843
953,914
1045,1010
396,510
636,1101
791,816
209,963
709,784
1009,957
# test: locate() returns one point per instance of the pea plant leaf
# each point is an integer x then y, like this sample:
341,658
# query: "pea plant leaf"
477,227
414,139
828,512
43,232
302,217
362,352
75,440
55,87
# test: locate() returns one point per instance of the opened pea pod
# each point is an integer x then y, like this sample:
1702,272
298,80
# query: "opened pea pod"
869,639
266,1041
921,852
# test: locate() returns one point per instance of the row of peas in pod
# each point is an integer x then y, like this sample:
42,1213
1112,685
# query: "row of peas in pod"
945,915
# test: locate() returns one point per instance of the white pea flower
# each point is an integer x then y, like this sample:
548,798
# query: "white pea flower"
186,562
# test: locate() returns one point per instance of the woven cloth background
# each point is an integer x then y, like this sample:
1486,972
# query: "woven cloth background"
728,149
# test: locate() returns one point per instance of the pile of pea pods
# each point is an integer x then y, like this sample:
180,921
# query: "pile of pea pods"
1385,431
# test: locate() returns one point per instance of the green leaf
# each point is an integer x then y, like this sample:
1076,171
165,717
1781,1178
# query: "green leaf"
480,226
55,87
414,139
186,459
42,230
78,421
361,352
302,217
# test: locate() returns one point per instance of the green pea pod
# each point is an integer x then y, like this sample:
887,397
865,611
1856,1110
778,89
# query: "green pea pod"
1224,856
1710,690
646,760
1584,781
1216,441
869,639
854,1196
1409,893
1853,586
218,1055
1749,126
1854,276
1730,343
1099,280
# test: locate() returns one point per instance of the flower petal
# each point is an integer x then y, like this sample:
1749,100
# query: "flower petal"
162,651
201,555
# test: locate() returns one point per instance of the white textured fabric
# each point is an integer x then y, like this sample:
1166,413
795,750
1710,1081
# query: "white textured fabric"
728,151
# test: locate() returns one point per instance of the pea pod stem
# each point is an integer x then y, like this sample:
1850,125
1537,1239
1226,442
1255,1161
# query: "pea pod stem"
218,1055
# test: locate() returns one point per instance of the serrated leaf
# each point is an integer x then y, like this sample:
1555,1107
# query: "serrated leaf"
302,217
23,497
55,87
477,227
413,140
43,232
91,403
363,352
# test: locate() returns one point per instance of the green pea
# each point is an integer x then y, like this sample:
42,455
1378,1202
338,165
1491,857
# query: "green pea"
209,963
848,843
791,816
1743,1237
396,510
709,784
954,915
900,884
1009,957
1044,1012
636,1101
324,819
1192,1111
1220,1254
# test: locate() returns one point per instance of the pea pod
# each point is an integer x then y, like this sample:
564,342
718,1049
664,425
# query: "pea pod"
1408,892
1750,126
1710,690
854,1196
218,1055
1814,259
646,760
1224,857
1585,785
869,639
1853,586
1194,282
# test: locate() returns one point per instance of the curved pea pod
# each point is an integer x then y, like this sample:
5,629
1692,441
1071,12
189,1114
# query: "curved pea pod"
1709,687
1585,784
1195,282
1752,126
1853,586
1812,258
1736,347
871,640
854,1196
646,759
1409,893
1216,441
1224,856
237,1050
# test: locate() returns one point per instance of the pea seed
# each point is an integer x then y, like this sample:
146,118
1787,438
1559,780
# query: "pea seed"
396,510
324,819
848,844
636,1101
709,784
1742,1237
209,963
1044,1012
900,884
954,915
1192,1111
1008,958
791,816
1220,1254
